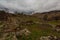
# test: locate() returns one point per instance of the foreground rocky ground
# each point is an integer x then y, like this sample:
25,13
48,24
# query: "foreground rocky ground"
45,26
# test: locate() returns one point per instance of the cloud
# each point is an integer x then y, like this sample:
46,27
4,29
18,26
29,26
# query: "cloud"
30,5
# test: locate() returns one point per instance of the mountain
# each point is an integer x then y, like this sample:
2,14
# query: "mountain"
19,26
52,15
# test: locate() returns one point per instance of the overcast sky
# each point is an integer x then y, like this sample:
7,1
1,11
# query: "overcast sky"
31,5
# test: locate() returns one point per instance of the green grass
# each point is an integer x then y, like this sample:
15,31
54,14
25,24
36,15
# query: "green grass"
37,32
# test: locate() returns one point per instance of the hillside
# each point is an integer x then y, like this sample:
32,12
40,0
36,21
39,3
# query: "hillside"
30,27
52,15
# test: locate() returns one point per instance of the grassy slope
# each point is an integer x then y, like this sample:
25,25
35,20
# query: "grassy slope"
37,29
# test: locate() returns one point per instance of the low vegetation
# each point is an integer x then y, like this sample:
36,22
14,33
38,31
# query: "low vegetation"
33,27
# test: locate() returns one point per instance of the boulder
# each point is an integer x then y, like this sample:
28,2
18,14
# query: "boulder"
25,32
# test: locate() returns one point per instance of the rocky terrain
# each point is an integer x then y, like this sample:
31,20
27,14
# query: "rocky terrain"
39,26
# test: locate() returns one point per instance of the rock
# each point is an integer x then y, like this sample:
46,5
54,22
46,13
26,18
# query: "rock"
25,32
57,28
48,38
52,37
44,38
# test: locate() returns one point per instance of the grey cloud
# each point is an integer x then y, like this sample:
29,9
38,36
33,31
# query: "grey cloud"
31,5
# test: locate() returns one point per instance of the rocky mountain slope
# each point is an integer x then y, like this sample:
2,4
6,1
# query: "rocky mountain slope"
52,15
39,26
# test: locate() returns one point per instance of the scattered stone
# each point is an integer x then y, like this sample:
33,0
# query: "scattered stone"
57,28
48,38
25,32
44,38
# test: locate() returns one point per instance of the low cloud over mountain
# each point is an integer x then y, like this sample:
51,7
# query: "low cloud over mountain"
30,5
